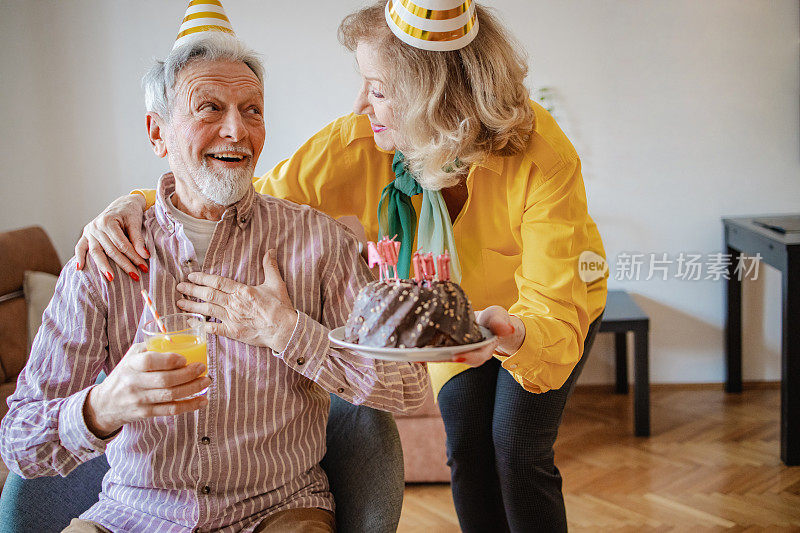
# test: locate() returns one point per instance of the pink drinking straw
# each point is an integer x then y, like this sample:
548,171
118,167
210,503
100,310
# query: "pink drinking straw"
149,303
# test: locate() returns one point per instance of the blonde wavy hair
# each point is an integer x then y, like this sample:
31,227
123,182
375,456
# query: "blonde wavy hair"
453,107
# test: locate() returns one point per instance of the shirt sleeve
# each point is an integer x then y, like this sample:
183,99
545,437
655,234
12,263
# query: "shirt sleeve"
44,432
552,300
386,385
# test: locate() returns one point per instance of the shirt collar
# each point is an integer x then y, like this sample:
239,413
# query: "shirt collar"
358,128
240,212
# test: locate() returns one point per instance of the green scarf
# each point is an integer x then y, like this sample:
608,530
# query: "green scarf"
396,216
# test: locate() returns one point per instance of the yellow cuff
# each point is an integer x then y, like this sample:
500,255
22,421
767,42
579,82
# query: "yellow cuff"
149,196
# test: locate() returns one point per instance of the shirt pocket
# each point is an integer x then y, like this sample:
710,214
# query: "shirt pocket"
500,287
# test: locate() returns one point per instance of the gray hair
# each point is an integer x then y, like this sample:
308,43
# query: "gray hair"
159,82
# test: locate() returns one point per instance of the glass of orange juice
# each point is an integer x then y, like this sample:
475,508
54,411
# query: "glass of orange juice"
185,335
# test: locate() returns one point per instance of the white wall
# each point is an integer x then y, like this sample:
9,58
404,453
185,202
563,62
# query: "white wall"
683,112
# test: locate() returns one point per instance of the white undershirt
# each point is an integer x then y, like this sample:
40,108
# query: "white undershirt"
198,231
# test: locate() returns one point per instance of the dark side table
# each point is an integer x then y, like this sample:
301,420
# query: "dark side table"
621,316
782,251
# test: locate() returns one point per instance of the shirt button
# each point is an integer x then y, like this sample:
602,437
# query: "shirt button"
242,220
206,489
512,367
205,440
301,360
340,389
187,262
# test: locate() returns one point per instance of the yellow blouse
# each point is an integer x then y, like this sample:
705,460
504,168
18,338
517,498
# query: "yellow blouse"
519,234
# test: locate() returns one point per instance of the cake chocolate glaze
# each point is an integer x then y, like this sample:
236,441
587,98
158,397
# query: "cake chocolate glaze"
407,314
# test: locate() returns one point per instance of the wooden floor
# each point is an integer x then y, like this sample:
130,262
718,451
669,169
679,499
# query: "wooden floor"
712,464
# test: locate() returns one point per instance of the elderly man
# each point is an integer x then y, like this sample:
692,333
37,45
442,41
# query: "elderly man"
245,455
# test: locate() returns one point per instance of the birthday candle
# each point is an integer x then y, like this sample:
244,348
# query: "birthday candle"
396,256
444,275
373,256
391,254
387,255
430,267
382,257
416,261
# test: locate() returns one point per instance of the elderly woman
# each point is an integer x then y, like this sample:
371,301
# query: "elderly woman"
443,126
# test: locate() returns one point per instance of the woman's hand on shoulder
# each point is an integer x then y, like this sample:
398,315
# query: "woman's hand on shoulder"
116,233
510,332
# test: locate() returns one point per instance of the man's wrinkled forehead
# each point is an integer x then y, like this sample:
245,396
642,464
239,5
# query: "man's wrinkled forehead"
212,78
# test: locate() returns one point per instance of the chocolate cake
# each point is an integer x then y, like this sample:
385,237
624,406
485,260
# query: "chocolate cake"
403,313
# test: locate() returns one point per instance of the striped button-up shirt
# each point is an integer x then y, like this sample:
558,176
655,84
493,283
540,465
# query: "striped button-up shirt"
255,449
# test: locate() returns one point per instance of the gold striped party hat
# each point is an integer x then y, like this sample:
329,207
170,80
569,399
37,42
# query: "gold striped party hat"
202,15
438,25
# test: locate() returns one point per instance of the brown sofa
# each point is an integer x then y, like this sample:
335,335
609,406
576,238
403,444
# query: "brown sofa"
423,438
20,250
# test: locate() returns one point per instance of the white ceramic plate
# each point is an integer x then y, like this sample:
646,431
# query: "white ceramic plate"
445,353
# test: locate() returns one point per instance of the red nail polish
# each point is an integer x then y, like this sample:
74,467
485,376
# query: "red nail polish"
144,268
109,276
459,359
146,250
134,276
77,266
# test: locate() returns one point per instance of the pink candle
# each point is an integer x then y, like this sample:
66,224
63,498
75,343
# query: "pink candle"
373,255
396,255
391,254
382,253
416,262
444,275
430,267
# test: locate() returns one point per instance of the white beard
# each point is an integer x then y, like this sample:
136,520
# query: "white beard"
223,187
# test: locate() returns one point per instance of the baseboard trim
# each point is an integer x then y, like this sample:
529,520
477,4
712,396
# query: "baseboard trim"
746,385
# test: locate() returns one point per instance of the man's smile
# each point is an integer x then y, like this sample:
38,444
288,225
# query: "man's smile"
228,158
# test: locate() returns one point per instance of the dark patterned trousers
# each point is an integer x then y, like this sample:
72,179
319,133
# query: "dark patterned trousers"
500,449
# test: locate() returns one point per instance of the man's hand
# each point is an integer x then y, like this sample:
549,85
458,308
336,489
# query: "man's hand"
108,236
510,332
262,315
144,385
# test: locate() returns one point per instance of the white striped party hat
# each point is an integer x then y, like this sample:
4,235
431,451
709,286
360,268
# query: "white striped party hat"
438,25
202,15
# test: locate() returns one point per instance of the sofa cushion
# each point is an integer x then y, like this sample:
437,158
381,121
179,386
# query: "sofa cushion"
38,288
